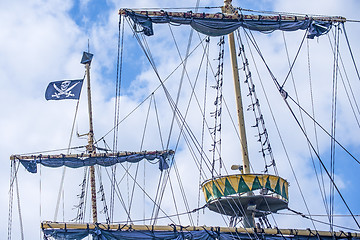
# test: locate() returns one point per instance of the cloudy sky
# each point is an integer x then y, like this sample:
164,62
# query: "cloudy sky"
42,41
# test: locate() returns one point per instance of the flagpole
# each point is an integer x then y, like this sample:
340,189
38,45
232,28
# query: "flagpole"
90,146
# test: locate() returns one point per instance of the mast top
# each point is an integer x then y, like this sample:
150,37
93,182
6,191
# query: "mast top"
86,58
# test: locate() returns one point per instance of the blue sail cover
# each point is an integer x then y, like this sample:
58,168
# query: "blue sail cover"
101,234
163,159
219,27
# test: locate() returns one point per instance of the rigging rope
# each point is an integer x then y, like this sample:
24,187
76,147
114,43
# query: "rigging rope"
296,56
118,191
120,51
206,51
298,99
322,164
322,183
277,85
179,117
61,187
184,71
350,88
102,194
286,96
351,53
315,220
216,130
333,125
174,106
19,208
263,137
11,196
82,196
141,148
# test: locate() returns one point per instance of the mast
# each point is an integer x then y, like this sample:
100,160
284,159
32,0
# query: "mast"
228,8
248,218
90,147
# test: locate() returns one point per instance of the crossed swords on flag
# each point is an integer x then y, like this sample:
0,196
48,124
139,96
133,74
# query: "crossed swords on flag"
64,89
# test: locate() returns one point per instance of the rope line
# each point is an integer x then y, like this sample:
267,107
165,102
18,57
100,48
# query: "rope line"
297,98
319,221
252,40
323,165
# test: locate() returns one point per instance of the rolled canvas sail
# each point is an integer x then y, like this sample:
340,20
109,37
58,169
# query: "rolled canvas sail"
105,160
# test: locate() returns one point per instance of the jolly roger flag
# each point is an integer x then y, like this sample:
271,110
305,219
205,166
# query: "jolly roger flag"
65,89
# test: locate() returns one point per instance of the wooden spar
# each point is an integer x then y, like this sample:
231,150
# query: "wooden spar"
90,147
248,219
268,231
240,112
237,16
85,155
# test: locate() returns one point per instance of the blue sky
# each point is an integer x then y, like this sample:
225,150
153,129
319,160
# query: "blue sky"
42,41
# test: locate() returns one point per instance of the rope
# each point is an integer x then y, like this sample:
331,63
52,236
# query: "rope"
182,121
297,98
102,193
206,50
256,105
174,106
216,130
117,105
141,148
182,76
174,113
319,221
350,88
19,208
321,184
82,196
252,40
185,116
179,118
156,197
296,56
158,123
61,187
118,191
158,87
54,150
287,96
351,53
165,217
323,165
174,199
333,125
263,137
146,193
11,197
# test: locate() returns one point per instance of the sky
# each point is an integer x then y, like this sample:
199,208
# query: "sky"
43,41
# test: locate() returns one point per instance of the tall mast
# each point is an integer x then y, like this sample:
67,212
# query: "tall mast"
228,8
90,147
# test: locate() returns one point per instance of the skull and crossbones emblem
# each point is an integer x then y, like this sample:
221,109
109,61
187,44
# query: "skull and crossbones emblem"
64,89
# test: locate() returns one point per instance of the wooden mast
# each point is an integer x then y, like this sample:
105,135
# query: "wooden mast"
228,9
90,146
248,218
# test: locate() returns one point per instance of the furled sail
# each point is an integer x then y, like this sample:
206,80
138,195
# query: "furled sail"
103,159
222,24
55,230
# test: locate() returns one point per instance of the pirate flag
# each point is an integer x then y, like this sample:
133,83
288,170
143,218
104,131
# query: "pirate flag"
66,89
